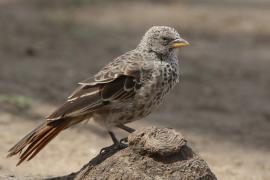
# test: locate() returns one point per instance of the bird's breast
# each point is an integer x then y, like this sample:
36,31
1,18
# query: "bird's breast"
155,87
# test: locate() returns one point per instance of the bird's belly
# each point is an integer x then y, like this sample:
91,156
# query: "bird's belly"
122,113
147,99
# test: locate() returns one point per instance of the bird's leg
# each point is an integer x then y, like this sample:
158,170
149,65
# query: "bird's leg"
114,139
126,128
116,144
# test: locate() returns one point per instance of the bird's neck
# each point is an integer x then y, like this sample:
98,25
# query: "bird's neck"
143,47
172,56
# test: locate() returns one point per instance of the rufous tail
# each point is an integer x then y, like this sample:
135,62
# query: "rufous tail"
38,139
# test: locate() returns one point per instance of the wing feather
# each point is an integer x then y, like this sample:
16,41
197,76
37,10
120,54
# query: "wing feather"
116,82
75,106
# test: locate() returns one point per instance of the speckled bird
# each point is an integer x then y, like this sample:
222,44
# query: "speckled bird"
127,89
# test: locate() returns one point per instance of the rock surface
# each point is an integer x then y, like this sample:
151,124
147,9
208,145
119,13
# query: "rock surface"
153,153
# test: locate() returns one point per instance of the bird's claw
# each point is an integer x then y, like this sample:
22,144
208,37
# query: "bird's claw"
116,146
124,140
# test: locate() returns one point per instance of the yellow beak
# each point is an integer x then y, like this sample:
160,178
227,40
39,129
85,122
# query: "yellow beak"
178,43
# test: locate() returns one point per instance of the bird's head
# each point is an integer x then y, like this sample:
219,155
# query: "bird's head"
162,40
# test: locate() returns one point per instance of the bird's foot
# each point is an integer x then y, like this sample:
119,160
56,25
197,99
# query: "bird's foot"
115,146
124,141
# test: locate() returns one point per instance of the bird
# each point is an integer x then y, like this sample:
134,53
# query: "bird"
127,89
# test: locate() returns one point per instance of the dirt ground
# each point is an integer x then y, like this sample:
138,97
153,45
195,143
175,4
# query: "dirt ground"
222,104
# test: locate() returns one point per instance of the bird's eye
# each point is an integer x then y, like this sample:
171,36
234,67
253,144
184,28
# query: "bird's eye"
166,40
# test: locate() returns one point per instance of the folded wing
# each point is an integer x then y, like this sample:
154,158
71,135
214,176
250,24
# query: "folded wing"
93,95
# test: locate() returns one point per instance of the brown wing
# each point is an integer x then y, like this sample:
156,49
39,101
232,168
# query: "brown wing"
118,81
88,98
73,107
121,89
128,64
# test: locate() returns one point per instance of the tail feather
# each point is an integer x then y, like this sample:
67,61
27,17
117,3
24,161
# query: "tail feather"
37,139
17,148
44,143
36,146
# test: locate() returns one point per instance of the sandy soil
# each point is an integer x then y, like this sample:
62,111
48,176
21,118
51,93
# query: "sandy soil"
222,105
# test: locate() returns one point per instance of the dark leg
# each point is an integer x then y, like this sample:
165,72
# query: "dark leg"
116,144
126,128
114,139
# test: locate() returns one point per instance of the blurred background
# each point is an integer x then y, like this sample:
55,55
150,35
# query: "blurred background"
222,105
